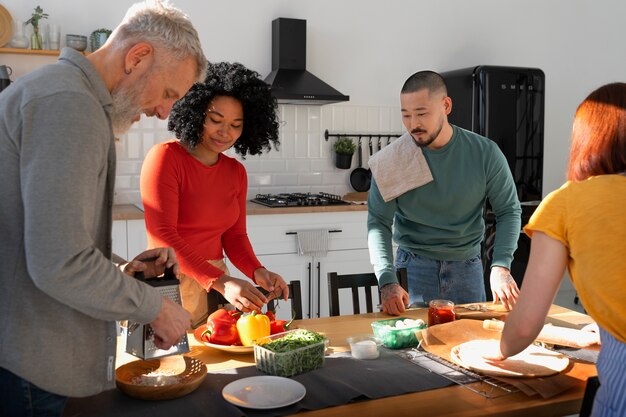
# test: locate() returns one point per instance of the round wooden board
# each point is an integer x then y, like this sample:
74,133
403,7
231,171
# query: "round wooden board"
6,26
532,362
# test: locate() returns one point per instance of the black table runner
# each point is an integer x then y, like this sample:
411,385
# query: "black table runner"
341,380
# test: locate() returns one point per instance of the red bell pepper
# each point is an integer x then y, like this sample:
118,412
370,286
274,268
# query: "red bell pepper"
279,326
222,328
271,315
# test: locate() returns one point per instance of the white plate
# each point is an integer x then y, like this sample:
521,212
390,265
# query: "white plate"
264,392
197,334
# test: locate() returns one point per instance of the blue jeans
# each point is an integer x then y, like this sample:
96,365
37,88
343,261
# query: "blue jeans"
459,281
20,398
609,400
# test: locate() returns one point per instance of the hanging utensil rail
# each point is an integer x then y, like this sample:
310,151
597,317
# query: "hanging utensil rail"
363,135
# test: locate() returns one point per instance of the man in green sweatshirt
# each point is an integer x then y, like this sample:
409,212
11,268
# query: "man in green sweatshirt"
439,225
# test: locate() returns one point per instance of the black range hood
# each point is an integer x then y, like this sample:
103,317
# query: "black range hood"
291,83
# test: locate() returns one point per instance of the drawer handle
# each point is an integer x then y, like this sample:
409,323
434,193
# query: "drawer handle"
330,231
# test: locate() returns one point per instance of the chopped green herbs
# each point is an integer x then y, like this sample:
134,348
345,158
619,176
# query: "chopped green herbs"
297,352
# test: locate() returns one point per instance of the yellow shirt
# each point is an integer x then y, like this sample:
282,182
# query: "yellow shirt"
589,218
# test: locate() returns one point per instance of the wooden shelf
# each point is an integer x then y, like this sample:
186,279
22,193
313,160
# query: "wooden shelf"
32,51
27,51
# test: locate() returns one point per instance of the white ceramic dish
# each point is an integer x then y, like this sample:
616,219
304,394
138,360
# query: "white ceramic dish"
197,334
264,392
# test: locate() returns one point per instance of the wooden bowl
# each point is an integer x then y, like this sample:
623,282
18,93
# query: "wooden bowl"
160,379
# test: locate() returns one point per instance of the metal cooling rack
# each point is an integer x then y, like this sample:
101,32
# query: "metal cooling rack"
485,386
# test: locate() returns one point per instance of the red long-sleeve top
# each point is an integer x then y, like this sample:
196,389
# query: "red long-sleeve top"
198,210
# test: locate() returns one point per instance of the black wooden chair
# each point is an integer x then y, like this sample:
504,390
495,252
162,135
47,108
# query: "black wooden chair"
216,300
590,392
354,282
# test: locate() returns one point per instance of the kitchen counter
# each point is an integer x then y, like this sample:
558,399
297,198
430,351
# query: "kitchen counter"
126,212
131,212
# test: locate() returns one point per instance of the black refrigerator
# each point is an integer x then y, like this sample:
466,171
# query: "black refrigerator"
506,105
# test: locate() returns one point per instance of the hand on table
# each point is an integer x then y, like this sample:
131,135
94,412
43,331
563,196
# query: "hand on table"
503,287
394,299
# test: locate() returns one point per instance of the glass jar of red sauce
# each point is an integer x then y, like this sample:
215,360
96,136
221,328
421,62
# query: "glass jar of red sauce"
440,311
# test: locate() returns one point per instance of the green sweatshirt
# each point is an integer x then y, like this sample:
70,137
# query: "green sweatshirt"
443,219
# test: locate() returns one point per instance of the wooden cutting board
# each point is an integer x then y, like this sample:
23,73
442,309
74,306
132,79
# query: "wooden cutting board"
356,197
481,311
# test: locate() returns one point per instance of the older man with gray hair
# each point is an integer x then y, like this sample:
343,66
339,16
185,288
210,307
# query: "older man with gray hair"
60,294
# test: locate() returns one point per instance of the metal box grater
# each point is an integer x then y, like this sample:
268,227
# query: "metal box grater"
140,337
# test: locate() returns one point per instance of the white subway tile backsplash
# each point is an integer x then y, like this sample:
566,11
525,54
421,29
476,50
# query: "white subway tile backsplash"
315,145
259,180
288,120
133,145
252,164
284,180
302,118
350,120
310,178
323,165
128,167
273,165
373,119
303,163
298,165
315,115
338,120
384,119
361,118
123,182
148,140
288,145
301,145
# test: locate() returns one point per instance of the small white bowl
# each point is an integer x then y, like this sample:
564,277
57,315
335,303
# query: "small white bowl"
365,346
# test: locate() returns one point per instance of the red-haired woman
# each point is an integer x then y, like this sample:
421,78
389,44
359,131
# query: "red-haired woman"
582,226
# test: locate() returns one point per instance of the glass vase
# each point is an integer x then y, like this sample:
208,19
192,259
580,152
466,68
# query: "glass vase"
36,40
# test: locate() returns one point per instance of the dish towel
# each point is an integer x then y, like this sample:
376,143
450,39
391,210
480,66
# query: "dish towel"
313,242
399,167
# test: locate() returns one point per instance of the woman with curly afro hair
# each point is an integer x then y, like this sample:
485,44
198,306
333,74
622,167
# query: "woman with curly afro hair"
194,196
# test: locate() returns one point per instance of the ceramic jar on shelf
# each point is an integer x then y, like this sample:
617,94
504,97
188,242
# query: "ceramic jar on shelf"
19,40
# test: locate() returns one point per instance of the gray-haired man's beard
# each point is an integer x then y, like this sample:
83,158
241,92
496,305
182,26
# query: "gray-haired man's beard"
125,107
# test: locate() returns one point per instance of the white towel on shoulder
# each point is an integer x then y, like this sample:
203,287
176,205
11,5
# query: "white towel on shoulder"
313,242
400,167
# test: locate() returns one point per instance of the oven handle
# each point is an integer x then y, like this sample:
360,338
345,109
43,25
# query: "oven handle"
330,231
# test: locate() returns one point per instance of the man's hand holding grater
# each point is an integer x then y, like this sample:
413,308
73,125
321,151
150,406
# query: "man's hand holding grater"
170,324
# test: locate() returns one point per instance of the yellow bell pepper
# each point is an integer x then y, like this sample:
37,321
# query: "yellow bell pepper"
253,326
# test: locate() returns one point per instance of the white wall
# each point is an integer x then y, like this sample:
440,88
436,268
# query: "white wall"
367,48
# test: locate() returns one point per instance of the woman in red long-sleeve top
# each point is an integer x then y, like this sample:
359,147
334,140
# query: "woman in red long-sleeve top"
194,196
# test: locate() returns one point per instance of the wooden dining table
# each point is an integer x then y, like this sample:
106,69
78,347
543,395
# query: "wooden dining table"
454,400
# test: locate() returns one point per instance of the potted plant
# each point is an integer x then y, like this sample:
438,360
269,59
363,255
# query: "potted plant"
35,40
344,149
98,37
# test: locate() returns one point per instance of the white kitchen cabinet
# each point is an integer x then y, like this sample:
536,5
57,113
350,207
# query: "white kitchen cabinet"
312,272
129,238
137,237
120,243
275,244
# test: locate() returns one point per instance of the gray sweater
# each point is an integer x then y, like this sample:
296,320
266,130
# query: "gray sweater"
59,292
